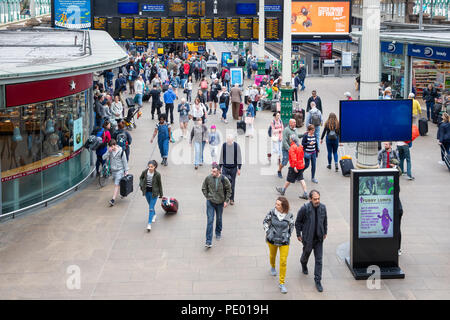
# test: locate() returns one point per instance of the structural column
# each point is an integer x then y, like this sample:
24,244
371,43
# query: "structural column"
367,157
261,45
286,72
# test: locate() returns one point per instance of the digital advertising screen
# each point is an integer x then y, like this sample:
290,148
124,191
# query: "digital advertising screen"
375,120
206,28
177,8
179,28
246,28
193,28
243,9
140,28
153,28
233,28
126,28
272,28
376,207
322,17
128,7
167,28
220,28
100,23
72,14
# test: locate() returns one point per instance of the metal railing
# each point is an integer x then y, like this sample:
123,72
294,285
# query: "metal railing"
10,10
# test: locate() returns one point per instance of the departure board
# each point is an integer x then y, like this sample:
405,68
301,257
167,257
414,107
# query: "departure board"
255,28
220,28
114,27
177,8
232,28
193,28
126,28
206,28
99,23
271,28
179,28
153,29
245,28
140,28
167,28
196,8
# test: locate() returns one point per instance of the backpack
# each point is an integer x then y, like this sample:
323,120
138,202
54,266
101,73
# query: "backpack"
93,142
254,66
332,135
122,140
204,85
227,76
315,119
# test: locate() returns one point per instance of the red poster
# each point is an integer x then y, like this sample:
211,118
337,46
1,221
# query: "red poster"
326,50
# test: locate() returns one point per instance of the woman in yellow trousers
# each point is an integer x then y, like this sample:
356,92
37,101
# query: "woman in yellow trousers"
278,224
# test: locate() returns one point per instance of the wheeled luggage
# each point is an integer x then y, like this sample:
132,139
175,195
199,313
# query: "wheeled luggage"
423,126
346,166
169,205
126,185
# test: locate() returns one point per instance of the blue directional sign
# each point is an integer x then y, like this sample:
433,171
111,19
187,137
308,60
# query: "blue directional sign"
429,52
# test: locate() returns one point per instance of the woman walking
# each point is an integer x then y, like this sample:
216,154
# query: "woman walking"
310,145
332,132
101,150
277,135
249,119
188,85
119,166
199,136
151,187
278,224
183,109
198,110
163,131
224,102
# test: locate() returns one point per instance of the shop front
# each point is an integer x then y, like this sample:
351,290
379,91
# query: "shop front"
393,67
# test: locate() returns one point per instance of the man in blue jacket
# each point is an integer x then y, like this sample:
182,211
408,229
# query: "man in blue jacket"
169,98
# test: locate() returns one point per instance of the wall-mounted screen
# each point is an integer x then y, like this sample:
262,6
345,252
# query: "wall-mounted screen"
128,7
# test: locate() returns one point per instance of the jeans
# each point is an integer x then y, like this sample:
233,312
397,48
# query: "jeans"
332,149
284,251
317,246
157,108
169,110
249,73
138,99
99,162
302,83
230,173
163,145
295,94
430,105
203,148
403,153
317,134
151,206
189,96
310,157
445,149
224,110
210,209
198,153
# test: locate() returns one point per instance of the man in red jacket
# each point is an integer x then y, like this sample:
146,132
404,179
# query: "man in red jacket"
296,167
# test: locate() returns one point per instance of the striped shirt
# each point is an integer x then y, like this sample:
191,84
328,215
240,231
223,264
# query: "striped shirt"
149,180
310,148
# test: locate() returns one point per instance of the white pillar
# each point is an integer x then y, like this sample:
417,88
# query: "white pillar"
286,73
261,35
421,15
370,74
32,9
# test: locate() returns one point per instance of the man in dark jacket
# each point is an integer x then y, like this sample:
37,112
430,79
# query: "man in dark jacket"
231,162
155,94
311,226
301,73
430,95
314,98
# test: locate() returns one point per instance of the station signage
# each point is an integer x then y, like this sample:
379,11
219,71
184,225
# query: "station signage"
391,47
429,52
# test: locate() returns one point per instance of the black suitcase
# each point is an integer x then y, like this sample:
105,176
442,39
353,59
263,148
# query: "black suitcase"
241,127
346,166
146,97
126,185
130,102
423,126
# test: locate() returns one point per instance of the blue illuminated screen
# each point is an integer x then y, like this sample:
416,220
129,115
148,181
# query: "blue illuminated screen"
128,7
245,8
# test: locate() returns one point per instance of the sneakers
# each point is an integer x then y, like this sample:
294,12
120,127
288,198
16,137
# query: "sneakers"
304,196
399,252
304,269
329,166
336,167
196,167
215,110
442,163
283,288
280,190
218,237
273,271
149,227
164,163
280,175
111,202
319,286
208,245
154,218
315,180
210,112
231,202
410,178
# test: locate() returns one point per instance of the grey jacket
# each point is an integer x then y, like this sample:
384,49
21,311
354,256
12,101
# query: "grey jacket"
382,157
305,222
118,160
278,232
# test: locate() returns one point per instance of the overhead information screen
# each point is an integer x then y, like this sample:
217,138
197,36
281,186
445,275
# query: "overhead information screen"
99,23
206,28
255,28
126,28
246,28
140,28
196,8
179,28
167,28
272,28
232,28
220,28
114,27
193,28
154,29
177,8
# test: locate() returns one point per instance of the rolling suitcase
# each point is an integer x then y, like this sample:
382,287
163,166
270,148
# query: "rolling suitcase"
346,166
126,185
241,127
169,205
423,126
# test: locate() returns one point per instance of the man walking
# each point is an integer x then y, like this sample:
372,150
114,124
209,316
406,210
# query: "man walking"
231,162
236,99
314,117
430,95
316,99
155,93
311,226
169,98
217,190
288,131
301,73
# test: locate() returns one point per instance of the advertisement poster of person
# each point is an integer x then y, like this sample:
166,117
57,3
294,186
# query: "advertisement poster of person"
324,17
376,207
77,134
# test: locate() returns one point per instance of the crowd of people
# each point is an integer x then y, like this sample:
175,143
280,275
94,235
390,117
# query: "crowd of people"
168,81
